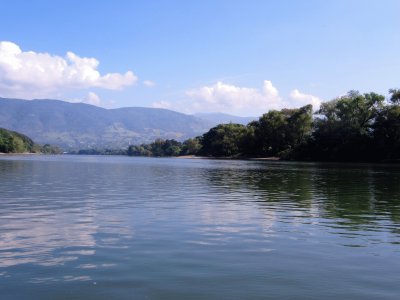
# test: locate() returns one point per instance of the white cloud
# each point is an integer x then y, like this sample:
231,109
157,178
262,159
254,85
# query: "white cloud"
234,99
162,104
92,99
228,98
300,99
31,74
242,101
149,83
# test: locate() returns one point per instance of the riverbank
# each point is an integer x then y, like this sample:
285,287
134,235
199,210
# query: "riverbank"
230,157
22,153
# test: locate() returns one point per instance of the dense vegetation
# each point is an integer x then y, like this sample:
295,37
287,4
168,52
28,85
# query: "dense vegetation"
100,151
354,127
166,148
14,142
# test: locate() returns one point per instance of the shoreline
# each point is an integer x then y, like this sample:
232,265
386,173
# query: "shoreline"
273,158
269,159
278,159
17,154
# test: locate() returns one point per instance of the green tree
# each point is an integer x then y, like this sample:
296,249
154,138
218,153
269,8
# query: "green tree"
141,150
270,133
171,148
157,147
191,146
299,126
49,149
224,140
395,96
343,129
355,112
387,128
277,133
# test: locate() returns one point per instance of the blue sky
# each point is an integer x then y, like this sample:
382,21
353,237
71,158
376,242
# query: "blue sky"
238,57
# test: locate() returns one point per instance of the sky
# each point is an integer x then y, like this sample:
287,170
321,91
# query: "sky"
238,57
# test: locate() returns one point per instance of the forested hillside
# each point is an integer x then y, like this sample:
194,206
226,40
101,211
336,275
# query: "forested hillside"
14,142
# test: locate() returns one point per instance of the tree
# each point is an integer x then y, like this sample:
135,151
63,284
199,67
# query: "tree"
159,147
299,125
156,147
343,130
270,133
171,148
353,111
277,133
191,146
49,149
387,128
142,150
224,140
395,96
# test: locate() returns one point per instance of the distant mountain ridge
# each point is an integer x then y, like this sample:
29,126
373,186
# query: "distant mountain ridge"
80,126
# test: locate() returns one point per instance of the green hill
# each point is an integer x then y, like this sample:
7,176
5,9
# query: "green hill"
14,142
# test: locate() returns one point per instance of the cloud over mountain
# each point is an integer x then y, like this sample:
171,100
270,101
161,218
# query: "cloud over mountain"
243,101
31,74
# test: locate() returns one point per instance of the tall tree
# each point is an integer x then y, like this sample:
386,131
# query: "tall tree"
224,140
343,129
387,128
395,96
279,132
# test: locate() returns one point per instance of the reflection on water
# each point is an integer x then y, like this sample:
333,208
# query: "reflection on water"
357,197
197,229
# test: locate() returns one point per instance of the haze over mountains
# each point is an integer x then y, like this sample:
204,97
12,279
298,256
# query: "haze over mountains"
81,126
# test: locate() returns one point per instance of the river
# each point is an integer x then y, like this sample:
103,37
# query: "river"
110,227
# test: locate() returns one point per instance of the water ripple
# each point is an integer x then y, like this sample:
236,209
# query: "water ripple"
201,229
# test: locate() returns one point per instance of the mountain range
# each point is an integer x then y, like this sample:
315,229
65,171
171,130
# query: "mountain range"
83,126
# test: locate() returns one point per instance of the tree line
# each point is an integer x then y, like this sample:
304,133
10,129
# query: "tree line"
160,148
353,127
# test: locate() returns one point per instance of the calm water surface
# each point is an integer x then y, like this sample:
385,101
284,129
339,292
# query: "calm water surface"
86,227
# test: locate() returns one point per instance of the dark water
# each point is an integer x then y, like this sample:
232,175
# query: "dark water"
74,227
